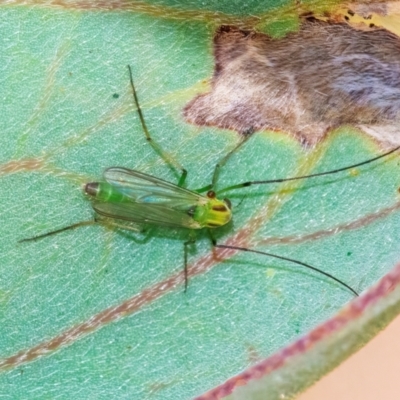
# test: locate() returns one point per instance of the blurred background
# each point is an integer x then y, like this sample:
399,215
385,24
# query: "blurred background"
370,374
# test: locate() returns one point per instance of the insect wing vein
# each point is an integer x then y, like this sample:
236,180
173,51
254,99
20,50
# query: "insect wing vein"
145,213
143,188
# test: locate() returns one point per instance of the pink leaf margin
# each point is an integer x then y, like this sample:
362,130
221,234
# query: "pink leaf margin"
319,351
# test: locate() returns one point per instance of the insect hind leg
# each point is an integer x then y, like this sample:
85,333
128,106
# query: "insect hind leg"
66,228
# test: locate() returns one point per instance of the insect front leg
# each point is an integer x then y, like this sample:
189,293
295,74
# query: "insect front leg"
245,137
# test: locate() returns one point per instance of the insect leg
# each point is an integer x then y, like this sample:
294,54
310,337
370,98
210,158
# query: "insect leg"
212,239
192,239
109,222
222,162
168,159
82,223
73,226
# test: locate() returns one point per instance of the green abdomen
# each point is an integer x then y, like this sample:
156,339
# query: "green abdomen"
105,192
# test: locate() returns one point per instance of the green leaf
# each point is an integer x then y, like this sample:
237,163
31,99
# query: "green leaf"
99,313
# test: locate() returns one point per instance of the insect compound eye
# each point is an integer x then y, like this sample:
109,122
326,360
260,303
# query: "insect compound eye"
228,203
219,207
211,194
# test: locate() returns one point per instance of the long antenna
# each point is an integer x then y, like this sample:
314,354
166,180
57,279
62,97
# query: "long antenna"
223,246
334,171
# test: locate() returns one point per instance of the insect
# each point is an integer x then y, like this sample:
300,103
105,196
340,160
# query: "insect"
129,196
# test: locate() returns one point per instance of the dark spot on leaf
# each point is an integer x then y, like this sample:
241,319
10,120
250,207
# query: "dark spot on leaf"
312,81
346,18
351,13
115,95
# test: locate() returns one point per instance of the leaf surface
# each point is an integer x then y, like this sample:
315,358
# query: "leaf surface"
100,313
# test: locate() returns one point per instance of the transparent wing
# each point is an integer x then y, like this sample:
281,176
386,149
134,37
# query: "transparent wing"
143,188
146,213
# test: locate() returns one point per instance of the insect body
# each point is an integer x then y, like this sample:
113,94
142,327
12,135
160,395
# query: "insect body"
131,196
137,197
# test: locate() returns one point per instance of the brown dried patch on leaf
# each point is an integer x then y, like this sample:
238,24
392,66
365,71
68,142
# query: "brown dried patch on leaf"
311,81
367,9
348,16
372,16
